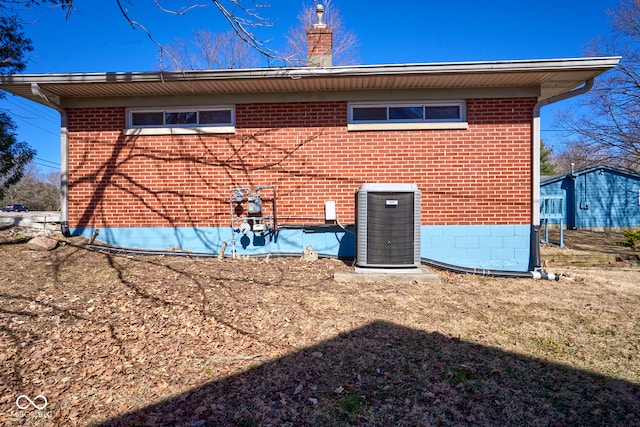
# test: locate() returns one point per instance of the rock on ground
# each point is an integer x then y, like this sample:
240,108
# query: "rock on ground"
309,254
42,243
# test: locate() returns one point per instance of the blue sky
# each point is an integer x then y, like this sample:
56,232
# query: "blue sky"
97,39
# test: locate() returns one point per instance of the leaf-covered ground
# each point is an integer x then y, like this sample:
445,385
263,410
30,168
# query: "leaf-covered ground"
117,340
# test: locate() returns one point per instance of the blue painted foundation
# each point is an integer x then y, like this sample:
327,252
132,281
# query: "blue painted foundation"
491,247
495,247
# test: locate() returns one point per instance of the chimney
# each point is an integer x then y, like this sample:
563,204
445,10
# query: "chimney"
319,42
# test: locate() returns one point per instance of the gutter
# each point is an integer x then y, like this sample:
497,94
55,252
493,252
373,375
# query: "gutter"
64,143
534,255
435,68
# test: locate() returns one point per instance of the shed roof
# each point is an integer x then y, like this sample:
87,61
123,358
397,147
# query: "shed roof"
545,180
552,77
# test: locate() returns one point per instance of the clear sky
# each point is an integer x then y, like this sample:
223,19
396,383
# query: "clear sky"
96,38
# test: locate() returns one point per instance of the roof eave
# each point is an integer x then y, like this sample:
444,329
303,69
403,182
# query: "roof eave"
570,73
347,71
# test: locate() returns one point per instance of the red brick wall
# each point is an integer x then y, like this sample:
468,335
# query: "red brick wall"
476,176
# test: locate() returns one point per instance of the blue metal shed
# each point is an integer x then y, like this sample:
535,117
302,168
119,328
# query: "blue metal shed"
598,197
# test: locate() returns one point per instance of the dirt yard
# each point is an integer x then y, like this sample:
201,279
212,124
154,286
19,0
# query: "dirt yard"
99,339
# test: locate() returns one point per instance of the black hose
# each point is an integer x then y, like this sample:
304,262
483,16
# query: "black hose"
540,274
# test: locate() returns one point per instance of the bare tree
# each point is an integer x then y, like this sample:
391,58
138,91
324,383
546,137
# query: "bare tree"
207,51
243,16
345,42
53,178
578,155
38,192
608,127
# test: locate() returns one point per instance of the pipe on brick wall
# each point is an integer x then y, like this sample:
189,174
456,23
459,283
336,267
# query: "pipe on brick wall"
64,138
534,256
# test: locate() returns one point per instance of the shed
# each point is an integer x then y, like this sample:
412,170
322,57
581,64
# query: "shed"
597,198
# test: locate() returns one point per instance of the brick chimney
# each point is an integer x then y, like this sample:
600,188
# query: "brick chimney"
319,42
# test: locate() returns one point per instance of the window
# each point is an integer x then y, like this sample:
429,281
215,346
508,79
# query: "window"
147,119
181,120
362,114
410,115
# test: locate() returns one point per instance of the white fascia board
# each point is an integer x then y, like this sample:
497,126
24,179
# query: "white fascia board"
301,72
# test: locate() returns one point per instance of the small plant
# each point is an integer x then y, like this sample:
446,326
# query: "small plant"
461,374
353,403
21,238
632,239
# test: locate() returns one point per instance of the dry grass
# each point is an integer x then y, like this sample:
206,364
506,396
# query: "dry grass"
124,340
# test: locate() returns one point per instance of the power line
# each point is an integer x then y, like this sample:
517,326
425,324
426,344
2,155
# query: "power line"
29,121
41,128
48,161
45,166
29,108
33,106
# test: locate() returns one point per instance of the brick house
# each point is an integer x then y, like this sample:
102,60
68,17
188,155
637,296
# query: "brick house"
165,160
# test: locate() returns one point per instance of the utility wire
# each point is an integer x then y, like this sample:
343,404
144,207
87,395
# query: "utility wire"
40,114
47,161
45,166
28,123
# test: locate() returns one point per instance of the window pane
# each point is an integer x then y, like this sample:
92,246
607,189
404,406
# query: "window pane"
215,117
147,119
372,113
405,113
448,112
181,118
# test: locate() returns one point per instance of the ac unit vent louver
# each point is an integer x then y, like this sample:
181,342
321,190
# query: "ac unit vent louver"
388,226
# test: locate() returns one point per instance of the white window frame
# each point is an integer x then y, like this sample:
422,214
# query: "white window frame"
407,124
177,129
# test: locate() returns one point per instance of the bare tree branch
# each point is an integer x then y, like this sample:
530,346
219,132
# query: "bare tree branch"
243,20
207,50
244,27
181,11
606,127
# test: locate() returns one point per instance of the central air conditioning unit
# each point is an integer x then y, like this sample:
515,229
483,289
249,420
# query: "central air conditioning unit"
388,226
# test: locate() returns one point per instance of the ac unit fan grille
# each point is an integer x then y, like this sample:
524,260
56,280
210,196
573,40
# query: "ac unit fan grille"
390,228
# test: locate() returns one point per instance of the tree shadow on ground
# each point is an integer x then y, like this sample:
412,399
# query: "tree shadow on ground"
386,374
